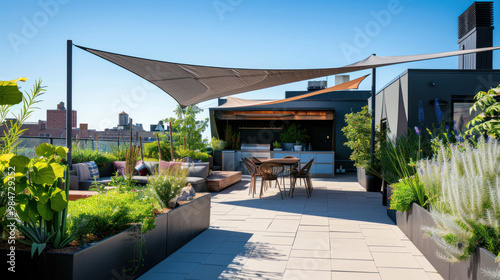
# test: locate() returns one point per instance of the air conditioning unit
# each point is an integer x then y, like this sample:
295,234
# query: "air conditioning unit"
315,85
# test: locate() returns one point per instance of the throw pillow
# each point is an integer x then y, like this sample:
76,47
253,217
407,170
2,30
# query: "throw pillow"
93,170
142,169
120,167
82,170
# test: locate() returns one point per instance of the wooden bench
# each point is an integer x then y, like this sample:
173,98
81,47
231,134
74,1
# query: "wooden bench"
74,194
220,180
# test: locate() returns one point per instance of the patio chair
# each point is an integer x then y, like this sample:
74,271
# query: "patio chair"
270,172
254,173
304,173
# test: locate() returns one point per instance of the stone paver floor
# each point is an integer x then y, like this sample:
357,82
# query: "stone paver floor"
341,232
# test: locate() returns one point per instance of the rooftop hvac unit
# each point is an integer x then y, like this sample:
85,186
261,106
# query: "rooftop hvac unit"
315,85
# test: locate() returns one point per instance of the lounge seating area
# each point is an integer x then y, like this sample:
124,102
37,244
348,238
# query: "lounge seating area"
201,178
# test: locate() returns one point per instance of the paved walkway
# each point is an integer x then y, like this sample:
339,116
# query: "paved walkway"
341,232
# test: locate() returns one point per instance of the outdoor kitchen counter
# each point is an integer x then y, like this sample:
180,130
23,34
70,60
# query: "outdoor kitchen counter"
323,166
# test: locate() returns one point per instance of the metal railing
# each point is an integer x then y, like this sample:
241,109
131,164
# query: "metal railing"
27,144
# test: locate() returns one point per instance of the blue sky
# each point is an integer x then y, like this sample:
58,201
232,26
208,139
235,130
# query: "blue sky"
232,33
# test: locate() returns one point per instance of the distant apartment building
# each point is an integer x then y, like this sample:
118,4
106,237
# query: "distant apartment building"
55,126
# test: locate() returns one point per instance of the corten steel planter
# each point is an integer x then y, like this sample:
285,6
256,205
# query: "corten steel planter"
465,270
111,258
187,221
370,182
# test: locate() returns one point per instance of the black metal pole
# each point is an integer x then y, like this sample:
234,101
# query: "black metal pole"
372,138
69,99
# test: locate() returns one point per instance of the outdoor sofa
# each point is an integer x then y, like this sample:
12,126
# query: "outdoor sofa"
85,172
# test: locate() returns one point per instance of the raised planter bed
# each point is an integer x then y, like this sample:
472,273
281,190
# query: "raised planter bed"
411,223
371,183
111,257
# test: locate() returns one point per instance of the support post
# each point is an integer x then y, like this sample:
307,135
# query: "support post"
171,141
69,99
140,146
372,138
159,150
131,135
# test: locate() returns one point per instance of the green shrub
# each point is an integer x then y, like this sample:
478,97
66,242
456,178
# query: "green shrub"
151,150
358,134
293,134
168,184
101,159
217,144
402,197
103,215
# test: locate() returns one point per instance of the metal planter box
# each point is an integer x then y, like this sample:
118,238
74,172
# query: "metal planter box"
111,258
471,269
186,222
371,183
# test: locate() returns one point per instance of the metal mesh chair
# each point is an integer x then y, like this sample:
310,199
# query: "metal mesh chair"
254,173
304,173
270,172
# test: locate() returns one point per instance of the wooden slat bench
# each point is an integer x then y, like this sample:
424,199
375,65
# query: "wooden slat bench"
74,194
220,180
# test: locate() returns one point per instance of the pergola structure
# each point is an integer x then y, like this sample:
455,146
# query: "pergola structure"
192,84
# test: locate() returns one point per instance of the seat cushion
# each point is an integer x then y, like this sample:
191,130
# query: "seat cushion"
82,171
199,184
93,170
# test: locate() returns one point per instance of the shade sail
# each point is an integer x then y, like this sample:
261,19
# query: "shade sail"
192,84
234,102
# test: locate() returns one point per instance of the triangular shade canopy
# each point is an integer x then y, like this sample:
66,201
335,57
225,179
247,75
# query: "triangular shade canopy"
234,102
192,84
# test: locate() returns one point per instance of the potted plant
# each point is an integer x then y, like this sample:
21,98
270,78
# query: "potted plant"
358,134
297,147
291,135
277,146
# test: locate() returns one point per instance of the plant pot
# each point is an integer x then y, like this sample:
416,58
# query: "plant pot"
370,182
218,157
297,148
187,221
278,149
287,146
109,258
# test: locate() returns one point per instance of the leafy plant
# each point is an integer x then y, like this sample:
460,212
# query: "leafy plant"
41,195
9,96
151,150
402,197
217,144
186,126
486,123
132,153
403,155
293,133
358,134
167,185
9,92
277,145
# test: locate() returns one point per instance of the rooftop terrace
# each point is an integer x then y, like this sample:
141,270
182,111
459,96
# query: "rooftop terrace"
341,232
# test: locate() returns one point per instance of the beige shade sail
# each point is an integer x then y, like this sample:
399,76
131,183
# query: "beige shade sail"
192,84
233,102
